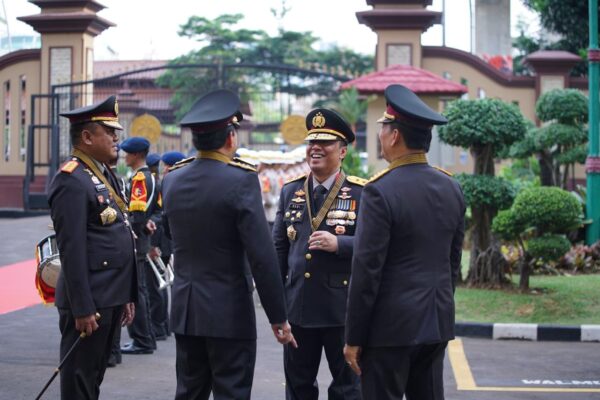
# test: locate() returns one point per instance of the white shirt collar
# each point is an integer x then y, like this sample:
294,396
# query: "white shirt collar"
328,183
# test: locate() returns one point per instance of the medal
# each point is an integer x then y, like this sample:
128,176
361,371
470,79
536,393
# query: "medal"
340,230
288,214
108,216
344,196
291,232
299,215
95,180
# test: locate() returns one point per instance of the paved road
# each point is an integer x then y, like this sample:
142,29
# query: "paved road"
484,369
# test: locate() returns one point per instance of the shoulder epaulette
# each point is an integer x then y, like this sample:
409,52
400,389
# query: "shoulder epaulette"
444,171
357,180
139,176
237,162
69,167
294,179
379,175
181,163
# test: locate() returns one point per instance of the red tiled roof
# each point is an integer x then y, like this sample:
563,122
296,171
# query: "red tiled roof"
416,79
108,68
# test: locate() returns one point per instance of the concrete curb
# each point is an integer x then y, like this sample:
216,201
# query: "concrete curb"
537,332
20,213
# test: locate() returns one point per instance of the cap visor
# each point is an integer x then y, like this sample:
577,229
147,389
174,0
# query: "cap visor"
111,124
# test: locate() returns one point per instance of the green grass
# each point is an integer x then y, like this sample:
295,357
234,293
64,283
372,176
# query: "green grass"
564,300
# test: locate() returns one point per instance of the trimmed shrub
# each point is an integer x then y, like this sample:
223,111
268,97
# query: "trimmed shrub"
548,210
548,247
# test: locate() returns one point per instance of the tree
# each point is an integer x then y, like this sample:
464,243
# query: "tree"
223,43
569,18
537,223
561,143
486,127
350,106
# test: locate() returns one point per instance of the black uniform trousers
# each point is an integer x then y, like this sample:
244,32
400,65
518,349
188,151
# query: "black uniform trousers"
302,365
83,372
225,366
389,373
140,330
159,303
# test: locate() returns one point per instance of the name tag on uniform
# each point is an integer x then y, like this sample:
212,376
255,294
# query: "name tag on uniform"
100,187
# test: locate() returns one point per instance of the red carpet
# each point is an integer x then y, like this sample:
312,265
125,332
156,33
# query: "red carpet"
17,286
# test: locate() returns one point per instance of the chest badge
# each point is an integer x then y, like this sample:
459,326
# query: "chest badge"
340,230
108,216
291,232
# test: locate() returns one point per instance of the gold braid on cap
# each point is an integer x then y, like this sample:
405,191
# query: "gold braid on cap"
330,131
388,116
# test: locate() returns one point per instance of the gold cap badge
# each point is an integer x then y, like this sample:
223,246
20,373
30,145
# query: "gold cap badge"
318,120
116,108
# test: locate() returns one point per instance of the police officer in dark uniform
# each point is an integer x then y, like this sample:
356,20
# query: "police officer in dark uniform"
96,249
213,213
406,259
314,237
142,196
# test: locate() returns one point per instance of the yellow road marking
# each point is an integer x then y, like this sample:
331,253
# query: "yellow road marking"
465,381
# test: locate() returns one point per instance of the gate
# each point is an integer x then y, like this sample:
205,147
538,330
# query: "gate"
269,94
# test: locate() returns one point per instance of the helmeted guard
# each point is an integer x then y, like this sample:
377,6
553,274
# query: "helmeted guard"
406,258
213,214
314,237
142,194
96,248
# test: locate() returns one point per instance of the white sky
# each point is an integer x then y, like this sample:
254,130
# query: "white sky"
147,29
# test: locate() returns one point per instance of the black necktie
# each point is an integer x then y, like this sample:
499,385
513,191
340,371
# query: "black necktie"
319,196
107,176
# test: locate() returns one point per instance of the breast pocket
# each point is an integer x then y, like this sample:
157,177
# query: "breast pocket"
339,280
100,261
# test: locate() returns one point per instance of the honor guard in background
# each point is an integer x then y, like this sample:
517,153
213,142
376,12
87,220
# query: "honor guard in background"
406,259
153,163
213,214
161,247
314,237
169,159
143,196
96,248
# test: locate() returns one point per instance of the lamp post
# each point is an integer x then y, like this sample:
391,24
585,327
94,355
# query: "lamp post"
593,160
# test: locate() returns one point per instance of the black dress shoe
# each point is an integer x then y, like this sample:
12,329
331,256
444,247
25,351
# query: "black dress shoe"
130,348
112,361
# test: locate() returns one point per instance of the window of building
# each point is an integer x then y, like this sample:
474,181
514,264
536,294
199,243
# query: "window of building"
23,121
6,121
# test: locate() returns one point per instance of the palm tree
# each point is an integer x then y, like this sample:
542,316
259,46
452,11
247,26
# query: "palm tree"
350,106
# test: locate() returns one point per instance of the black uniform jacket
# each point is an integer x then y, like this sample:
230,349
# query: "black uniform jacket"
144,210
97,258
213,214
159,239
316,282
406,259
